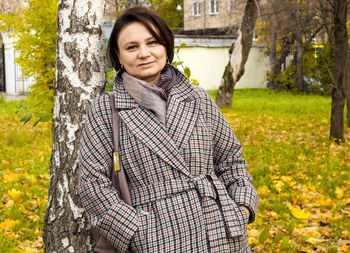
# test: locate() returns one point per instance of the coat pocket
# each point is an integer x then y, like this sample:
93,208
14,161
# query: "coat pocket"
241,218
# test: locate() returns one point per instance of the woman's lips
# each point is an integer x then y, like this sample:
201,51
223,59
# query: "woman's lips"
145,64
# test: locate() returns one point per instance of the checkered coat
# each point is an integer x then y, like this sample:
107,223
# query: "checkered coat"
187,178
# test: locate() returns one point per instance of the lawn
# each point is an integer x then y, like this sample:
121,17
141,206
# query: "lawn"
301,176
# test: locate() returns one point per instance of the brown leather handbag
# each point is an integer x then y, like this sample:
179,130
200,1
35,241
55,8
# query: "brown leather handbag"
118,180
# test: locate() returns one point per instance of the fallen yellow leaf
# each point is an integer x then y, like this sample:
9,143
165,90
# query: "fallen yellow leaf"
298,213
13,193
313,240
8,223
263,190
339,192
22,209
344,248
10,177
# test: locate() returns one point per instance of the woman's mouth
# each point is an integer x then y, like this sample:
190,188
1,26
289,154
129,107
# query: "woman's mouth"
145,64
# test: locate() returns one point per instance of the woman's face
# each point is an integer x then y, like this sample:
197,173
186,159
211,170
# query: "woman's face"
140,53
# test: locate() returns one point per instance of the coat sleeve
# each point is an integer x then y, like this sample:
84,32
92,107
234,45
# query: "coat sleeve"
229,165
113,218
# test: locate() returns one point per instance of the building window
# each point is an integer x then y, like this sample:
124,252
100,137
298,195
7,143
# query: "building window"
196,9
213,8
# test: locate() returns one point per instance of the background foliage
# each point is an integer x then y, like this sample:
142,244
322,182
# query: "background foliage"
301,176
35,30
318,68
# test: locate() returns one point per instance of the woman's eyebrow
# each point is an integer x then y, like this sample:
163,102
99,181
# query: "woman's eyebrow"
128,43
135,42
150,38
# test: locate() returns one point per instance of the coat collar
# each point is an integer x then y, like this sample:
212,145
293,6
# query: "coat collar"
166,141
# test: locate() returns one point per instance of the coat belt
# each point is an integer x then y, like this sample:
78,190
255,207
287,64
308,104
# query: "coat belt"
207,186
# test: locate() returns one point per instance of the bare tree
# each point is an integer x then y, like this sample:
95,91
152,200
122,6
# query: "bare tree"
2,65
239,52
294,23
341,55
79,78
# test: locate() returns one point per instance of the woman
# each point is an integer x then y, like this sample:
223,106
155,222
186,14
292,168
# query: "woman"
189,186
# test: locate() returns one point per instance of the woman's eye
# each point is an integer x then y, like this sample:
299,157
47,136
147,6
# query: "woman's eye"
153,42
131,47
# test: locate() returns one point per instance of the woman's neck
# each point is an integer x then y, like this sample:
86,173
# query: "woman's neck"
152,79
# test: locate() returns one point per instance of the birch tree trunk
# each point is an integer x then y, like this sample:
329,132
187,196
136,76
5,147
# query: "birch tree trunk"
341,67
240,51
79,78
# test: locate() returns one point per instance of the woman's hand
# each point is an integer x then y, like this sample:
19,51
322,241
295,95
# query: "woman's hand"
246,210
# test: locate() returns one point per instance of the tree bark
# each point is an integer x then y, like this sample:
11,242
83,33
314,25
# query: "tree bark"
347,95
273,54
300,49
240,51
341,68
299,62
287,43
79,78
2,66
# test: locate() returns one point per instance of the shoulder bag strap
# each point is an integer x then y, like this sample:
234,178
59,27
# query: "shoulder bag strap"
118,175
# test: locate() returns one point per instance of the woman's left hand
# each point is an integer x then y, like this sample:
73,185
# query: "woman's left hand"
246,210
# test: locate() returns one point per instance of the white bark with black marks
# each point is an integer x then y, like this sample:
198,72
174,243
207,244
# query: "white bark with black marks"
79,79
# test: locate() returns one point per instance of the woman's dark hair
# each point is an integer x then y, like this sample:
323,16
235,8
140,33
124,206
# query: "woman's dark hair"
154,24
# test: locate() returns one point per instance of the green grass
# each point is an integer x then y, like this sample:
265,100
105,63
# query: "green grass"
286,143
301,176
24,177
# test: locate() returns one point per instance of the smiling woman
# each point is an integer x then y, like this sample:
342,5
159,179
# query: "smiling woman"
140,53
189,187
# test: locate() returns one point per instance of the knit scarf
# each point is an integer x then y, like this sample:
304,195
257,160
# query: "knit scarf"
152,97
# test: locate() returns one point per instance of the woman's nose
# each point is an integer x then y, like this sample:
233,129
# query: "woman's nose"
144,52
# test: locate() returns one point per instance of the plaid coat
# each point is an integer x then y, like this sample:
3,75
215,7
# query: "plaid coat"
187,179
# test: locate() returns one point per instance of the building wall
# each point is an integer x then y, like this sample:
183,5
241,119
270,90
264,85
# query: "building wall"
207,65
12,6
16,83
229,14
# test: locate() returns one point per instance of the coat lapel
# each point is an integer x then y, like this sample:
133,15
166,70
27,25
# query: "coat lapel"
165,141
144,125
182,114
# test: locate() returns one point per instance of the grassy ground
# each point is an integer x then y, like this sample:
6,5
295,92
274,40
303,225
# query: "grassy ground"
302,178
24,177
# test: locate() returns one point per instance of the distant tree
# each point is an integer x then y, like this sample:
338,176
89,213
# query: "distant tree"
341,91
238,52
2,74
168,10
80,77
288,26
291,25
